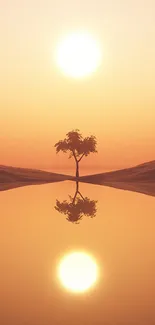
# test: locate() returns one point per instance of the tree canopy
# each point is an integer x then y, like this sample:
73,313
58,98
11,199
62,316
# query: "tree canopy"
76,145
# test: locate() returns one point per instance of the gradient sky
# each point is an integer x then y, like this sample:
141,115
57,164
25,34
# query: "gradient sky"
39,105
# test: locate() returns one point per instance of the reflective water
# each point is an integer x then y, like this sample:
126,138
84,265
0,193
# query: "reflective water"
34,235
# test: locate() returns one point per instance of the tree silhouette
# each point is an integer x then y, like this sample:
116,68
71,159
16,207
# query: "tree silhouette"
77,207
77,146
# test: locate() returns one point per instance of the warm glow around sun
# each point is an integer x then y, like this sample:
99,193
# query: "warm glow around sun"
77,272
78,55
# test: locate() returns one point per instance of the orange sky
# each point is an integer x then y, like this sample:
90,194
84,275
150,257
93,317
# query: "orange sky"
39,105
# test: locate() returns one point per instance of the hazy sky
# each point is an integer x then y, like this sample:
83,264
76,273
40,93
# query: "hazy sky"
39,105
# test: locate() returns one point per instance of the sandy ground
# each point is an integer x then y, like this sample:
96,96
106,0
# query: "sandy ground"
12,177
140,178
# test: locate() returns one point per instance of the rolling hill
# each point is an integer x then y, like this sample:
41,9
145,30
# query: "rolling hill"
140,178
12,177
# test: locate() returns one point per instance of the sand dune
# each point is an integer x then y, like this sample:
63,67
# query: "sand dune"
138,173
140,178
13,177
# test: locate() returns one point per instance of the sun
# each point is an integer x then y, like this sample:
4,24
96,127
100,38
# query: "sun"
78,55
78,272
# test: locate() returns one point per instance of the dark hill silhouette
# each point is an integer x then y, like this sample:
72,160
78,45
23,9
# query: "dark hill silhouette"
140,178
12,177
141,172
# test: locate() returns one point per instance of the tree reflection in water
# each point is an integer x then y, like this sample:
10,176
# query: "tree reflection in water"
77,207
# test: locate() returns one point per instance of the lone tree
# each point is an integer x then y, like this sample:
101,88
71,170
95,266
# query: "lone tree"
77,146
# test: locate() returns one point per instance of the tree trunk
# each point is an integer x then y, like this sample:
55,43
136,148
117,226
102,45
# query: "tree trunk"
77,186
77,169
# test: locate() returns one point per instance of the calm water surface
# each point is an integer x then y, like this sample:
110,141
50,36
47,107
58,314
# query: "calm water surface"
34,236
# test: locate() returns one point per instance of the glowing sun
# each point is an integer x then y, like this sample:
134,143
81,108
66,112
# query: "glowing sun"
78,271
78,55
